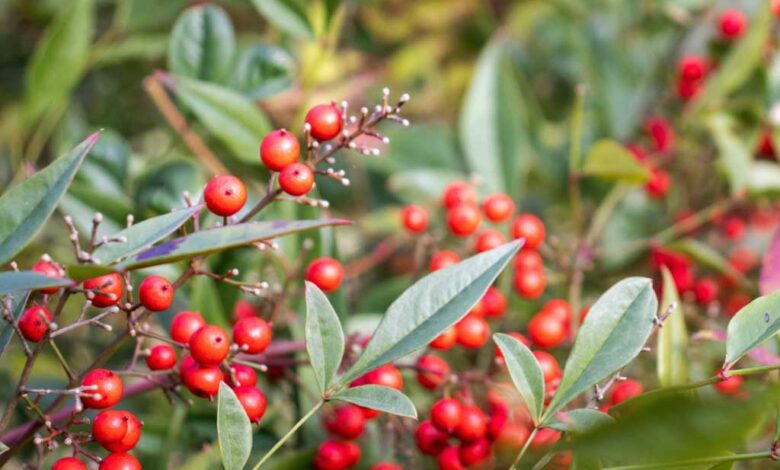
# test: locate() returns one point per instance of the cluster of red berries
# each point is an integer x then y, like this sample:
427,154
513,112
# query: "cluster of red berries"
652,155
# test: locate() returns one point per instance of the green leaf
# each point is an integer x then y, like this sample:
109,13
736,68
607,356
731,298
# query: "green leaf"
422,184
706,256
379,397
672,341
80,272
233,429
143,47
287,15
263,70
229,116
324,336
609,160
755,323
763,179
525,372
580,420
734,157
202,44
613,333
26,207
6,331
430,306
60,58
11,281
143,235
3,448
219,239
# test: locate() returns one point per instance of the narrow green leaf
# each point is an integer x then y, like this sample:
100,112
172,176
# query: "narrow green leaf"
525,372
580,420
219,239
613,333
755,323
11,281
229,116
734,157
202,44
234,430
287,15
142,47
143,235
324,336
379,397
3,448
610,160
430,306
80,272
706,256
26,207
763,179
672,341
17,307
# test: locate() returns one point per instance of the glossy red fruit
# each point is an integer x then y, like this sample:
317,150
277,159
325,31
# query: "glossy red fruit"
296,179
473,331
201,381
498,207
161,357
415,218
458,193
488,239
706,290
244,376
104,389
185,324
765,147
512,438
346,421
209,345
386,466
243,308
693,68
732,23
155,293
734,228
446,414
743,259
120,461
442,259
529,227
688,90
331,455
279,149
658,184
446,340
109,426
108,289
475,451
50,269
735,302
517,336
544,439
559,309
473,423
224,195
729,386
528,260
430,440
325,273
129,439
252,400
661,133
387,375
530,284
546,330
494,303
325,121
463,220
432,371
449,459
625,390
69,463
34,323
550,368
252,334
353,452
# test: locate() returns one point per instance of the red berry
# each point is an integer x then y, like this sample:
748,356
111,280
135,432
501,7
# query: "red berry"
660,132
346,421
463,220
473,423
729,386
529,227
415,218
546,330
209,345
545,438
279,149
325,121
120,461
107,289
743,259
429,439
387,375
34,323
353,453
735,302
473,331
512,438
732,23
528,260
776,7
155,293
449,459
130,437
386,466
326,273
442,259
446,340
331,455
446,414
243,308
244,376
69,463
530,284
107,389
475,451
296,179
559,309
50,269
488,239
625,390
432,371
705,290
161,357
201,381
688,90
550,369
498,207
185,324
494,303
109,426
693,68
252,400
658,184
225,195
734,228
252,334
459,193
765,147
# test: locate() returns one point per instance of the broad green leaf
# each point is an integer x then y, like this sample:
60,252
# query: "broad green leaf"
80,272
763,179
430,306
379,397
143,235
263,70
609,160
142,47
229,116
18,303
26,207
233,429
706,256
219,239
580,420
525,372
60,58
287,15
613,333
324,336
734,157
755,323
11,281
202,44
672,341
769,279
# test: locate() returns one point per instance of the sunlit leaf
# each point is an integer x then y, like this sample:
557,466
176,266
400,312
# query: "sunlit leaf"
287,15
755,323
608,159
324,336
734,157
379,397
233,429
672,341
525,372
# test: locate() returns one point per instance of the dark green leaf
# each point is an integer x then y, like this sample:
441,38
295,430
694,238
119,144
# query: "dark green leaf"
263,70
202,44
580,420
379,397
610,160
26,207
734,157
755,323
11,281
233,429
525,372
287,15
672,342
324,336
80,272
6,331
